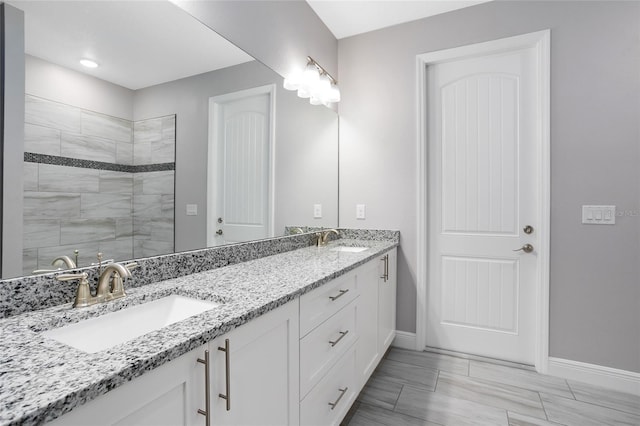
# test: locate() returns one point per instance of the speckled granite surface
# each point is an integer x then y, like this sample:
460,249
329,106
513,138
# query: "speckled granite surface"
41,379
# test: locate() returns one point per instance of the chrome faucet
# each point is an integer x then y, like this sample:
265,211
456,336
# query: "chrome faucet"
323,237
110,284
69,263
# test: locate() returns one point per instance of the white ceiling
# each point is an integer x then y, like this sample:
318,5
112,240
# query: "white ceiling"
350,17
137,43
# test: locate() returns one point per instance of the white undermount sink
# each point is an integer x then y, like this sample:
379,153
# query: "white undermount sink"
350,249
103,332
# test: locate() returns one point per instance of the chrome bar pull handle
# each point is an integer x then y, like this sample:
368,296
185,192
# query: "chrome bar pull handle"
335,403
335,342
385,274
342,293
227,395
207,401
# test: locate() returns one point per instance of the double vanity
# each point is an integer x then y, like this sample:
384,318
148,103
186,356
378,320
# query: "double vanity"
289,337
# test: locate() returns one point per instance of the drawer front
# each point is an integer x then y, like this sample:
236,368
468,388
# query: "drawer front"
330,400
320,349
323,302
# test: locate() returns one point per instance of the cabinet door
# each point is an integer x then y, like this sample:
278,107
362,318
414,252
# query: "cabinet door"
367,350
387,301
260,375
169,395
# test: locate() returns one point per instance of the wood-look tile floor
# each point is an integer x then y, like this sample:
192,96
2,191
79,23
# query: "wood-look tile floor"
429,389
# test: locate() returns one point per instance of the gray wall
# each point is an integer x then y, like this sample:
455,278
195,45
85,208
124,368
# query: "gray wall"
306,148
12,138
280,34
595,60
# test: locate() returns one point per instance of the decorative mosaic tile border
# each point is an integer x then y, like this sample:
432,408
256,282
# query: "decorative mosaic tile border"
32,157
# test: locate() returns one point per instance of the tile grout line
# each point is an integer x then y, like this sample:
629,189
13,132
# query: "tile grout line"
542,404
570,390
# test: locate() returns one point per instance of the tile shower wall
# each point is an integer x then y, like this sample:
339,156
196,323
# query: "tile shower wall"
88,187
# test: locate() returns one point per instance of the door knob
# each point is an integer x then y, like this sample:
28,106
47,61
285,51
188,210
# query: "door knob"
219,232
527,248
528,229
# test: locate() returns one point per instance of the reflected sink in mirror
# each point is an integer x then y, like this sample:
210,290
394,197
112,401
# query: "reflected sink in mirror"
350,249
103,332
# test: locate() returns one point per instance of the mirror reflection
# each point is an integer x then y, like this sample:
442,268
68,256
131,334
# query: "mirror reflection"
177,140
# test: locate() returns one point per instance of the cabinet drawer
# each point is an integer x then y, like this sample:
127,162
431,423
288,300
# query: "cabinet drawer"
320,349
323,302
329,401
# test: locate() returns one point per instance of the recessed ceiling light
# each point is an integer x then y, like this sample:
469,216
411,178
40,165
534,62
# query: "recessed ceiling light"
89,63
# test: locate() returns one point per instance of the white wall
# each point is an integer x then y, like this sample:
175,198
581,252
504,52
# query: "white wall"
595,153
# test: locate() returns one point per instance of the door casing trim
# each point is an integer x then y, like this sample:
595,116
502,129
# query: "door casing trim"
541,42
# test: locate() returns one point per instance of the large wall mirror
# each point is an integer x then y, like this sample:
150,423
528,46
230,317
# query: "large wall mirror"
177,140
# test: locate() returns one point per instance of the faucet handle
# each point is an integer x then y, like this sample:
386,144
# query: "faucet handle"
83,293
131,266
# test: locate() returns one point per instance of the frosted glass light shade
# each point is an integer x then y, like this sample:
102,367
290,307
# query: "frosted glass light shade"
292,82
334,94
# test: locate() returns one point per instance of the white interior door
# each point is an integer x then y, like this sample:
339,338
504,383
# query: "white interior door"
240,167
482,194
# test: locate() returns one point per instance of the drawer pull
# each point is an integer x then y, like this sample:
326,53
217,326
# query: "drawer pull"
207,412
335,342
342,293
335,403
227,373
385,274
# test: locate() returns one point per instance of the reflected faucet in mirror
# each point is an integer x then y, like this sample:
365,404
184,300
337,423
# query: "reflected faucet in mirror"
65,260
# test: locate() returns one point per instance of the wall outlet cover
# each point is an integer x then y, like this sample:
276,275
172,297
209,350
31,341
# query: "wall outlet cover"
360,211
317,211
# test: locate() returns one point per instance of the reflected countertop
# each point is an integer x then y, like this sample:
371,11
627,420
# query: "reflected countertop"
41,379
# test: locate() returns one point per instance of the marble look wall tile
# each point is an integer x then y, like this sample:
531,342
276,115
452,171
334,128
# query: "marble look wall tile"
54,178
490,393
41,140
147,248
169,127
167,206
147,130
52,114
30,176
162,230
107,127
86,230
519,377
124,153
118,249
40,233
141,153
446,410
150,183
51,205
163,151
576,413
106,205
86,253
141,228
29,260
88,148
124,227
116,182
147,206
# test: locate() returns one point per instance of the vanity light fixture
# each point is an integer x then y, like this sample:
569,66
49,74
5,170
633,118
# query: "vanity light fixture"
89,63
315,83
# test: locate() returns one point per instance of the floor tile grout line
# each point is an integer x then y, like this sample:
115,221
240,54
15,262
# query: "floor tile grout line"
395,404
401,414
598,406
542,404
571,390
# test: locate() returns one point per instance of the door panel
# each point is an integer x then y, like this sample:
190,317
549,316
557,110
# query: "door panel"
482,158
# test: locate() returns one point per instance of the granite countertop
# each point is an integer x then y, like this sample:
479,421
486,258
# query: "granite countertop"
41,379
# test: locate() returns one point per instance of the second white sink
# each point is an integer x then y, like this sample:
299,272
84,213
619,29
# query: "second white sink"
103,332
350,249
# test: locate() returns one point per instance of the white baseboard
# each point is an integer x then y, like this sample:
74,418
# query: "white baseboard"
404,340
612,378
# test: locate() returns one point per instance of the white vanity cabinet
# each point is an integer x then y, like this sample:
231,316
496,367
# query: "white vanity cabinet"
169,395
254,371
387,286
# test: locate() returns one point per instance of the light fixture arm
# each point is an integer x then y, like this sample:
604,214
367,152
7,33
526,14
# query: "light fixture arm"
321,70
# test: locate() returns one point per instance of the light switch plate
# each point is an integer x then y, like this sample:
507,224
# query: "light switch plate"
192,210
599,215
317,211
360,211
